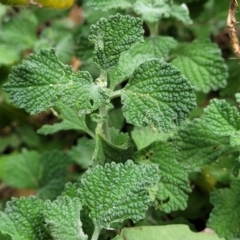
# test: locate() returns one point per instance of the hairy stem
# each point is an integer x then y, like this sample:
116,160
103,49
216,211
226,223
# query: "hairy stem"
96,233
153,28
104,124
231,24
116,94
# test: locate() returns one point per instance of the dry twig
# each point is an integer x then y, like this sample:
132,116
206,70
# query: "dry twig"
231,24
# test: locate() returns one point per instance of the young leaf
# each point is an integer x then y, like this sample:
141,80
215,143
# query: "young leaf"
41,80
154,10
225,217
222,118
23,219
113,36
118,150
201,62
157,93
70,120
197,145
143,137
152,48
125,187
174,184
62,218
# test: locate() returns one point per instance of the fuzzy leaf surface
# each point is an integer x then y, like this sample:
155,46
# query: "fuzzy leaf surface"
117,192
197,145
222,118
42,79
71,190
201,62
23,219
157,93
113,36
70,120
225,217
62,218
154,10
174,185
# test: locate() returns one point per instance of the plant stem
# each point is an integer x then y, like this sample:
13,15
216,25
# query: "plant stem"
104,124
96,233
153,28
116,94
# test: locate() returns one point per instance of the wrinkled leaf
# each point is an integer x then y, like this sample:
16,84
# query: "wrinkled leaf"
201,62
157,93
113,36
125,187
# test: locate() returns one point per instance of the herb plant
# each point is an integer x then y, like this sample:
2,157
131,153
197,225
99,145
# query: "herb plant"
145,170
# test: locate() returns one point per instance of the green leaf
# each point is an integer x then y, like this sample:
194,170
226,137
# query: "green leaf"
158,47
169,232
119,149
54,173
62,218
40,81
71,190
143,137
225,217
70,120
7,55
198,146
152,48
82,153
222,118
59,36
201,62
174,185
128,62
105,5
113,36
7,227
23,170
20,31
235,139
45,172
154,10
23,219
125,187
157,93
